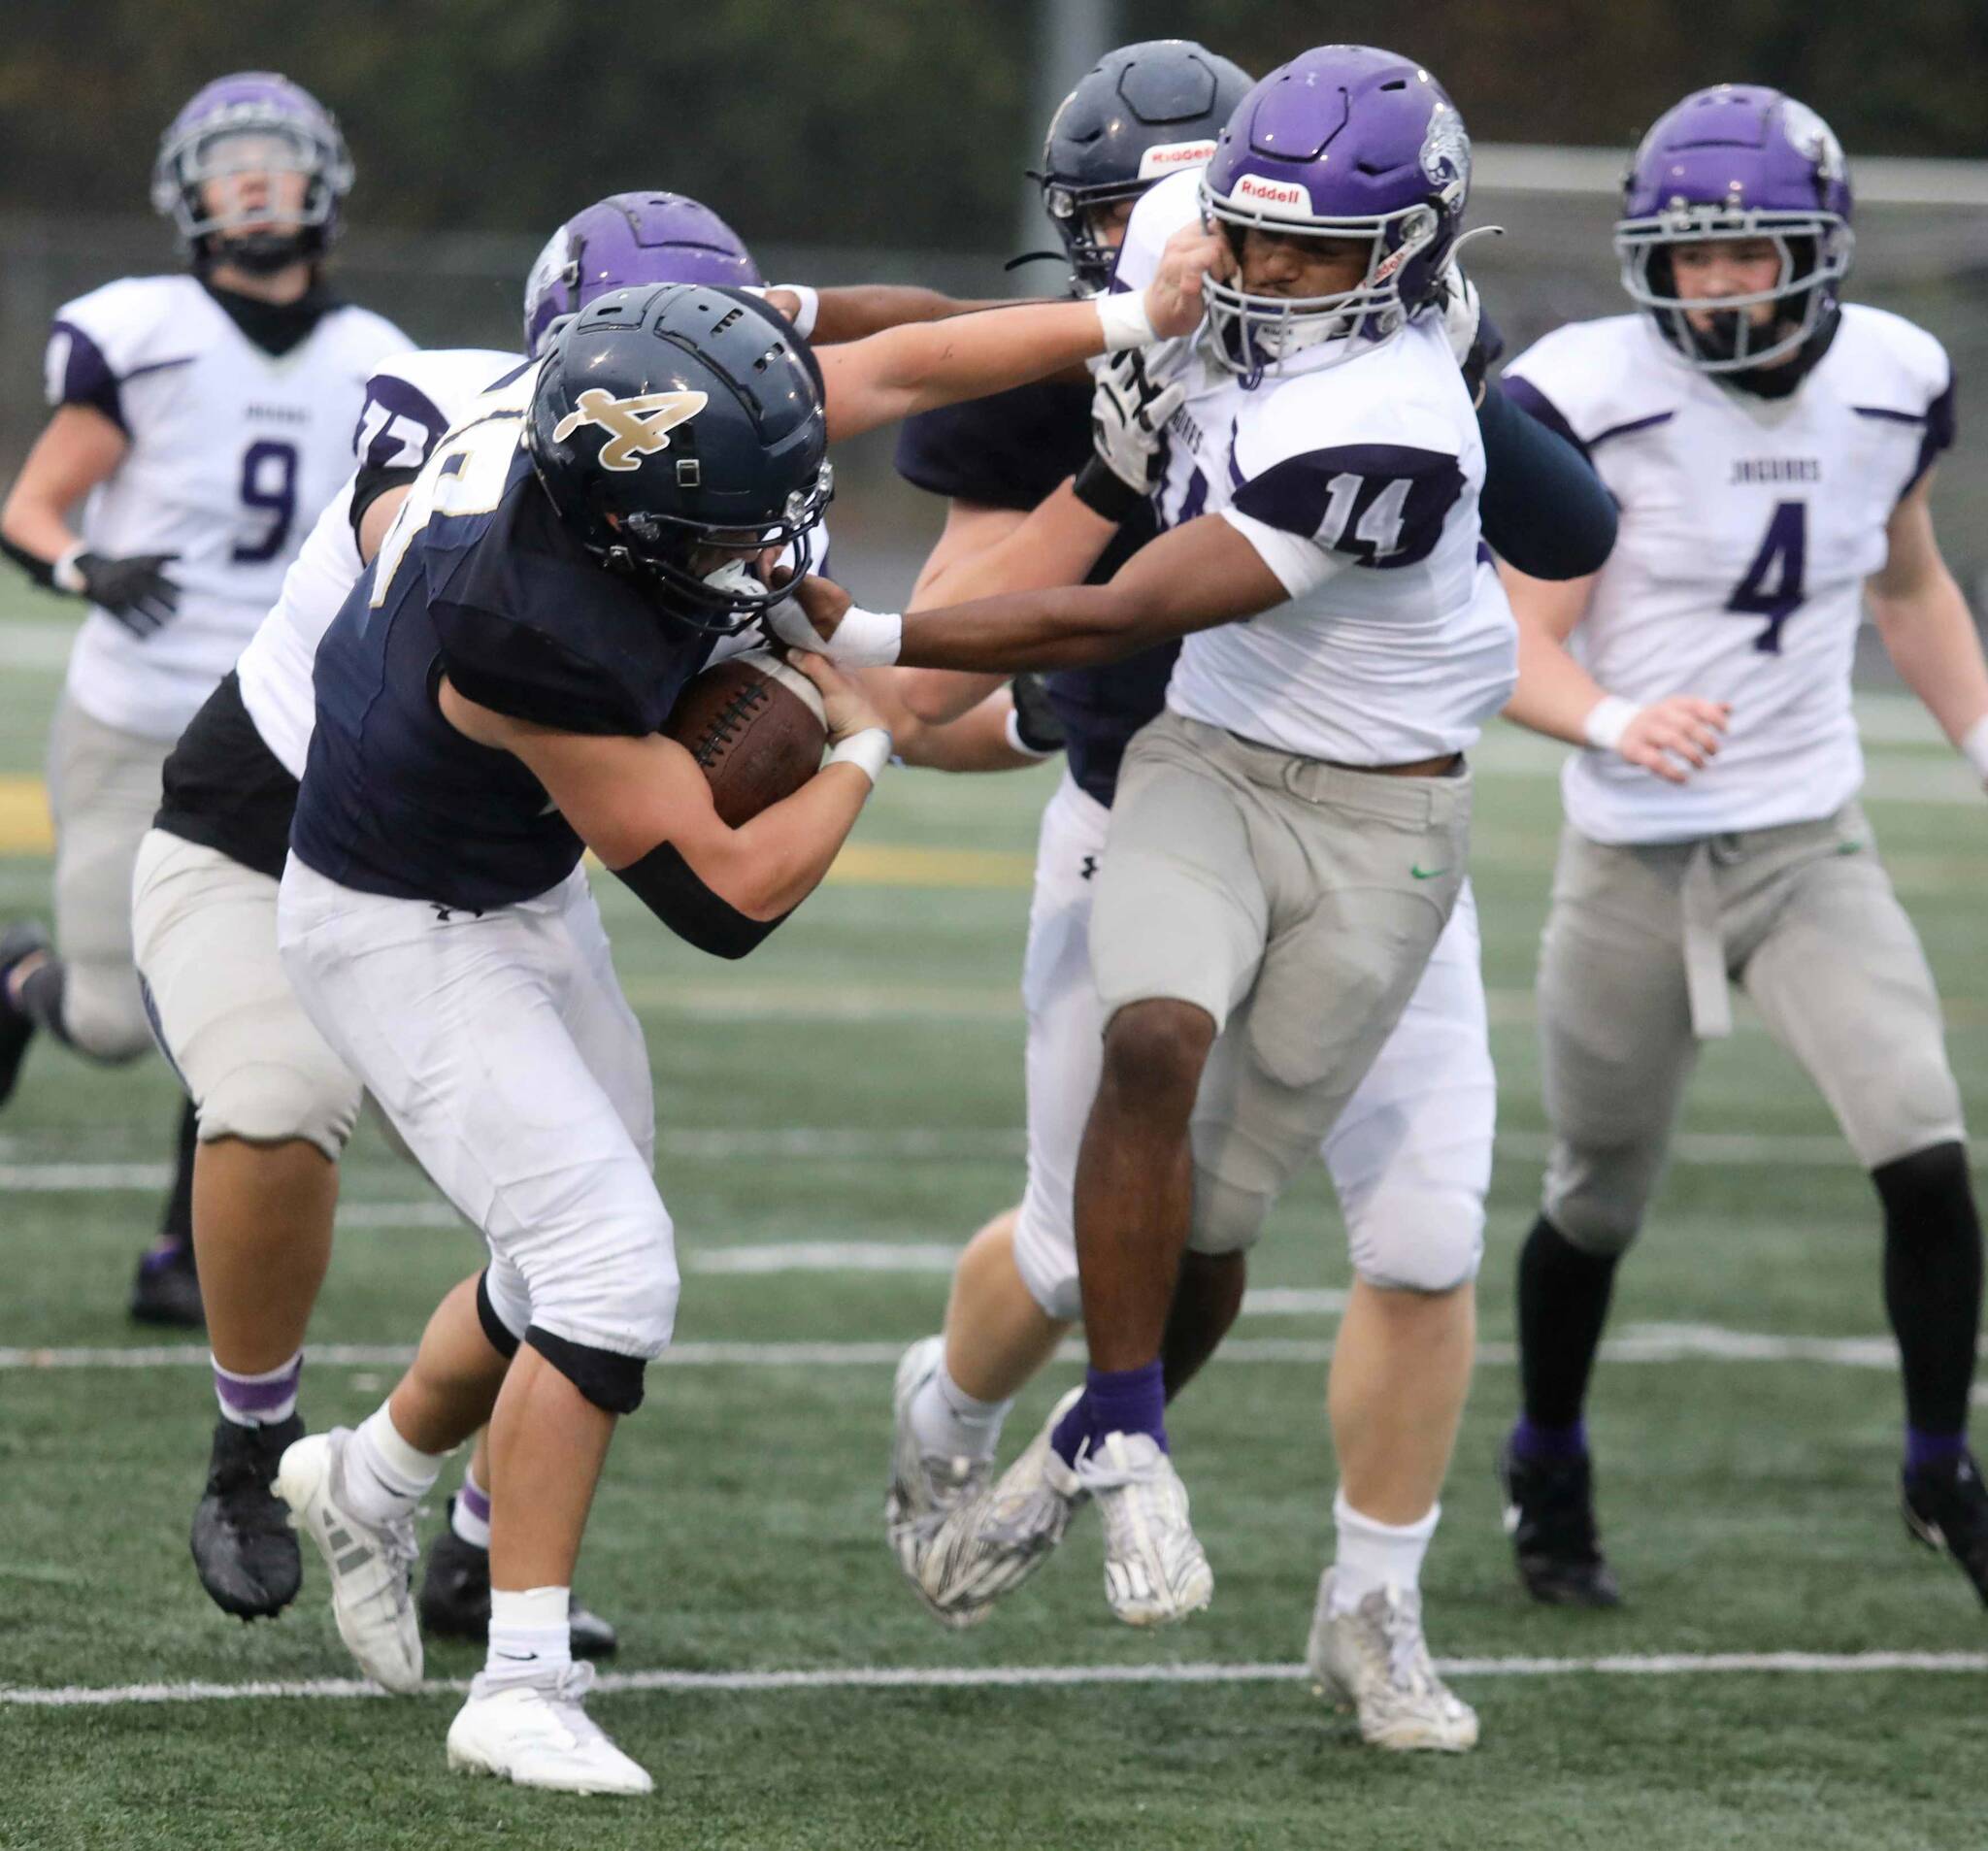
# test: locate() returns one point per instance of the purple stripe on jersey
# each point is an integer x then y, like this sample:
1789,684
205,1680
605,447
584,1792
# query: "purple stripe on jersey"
1885,412
1941,424
1634,425
1379,504
398,425
1535,405
84,376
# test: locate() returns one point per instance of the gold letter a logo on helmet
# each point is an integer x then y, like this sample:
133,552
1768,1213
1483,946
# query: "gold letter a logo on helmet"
641,426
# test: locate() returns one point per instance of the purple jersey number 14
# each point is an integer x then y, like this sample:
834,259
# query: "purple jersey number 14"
1773,587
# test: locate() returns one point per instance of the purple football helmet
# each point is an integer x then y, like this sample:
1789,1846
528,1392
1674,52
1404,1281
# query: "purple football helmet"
624,241
1738,161
1343,141
259,122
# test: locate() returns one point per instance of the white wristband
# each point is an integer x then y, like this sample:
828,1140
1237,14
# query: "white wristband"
862,640
803,317
63,573
1607,720
1016,744
1975,747
1125,322
868,750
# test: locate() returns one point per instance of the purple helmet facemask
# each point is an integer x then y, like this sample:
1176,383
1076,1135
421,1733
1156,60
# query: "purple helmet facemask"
252,123
624,241
1344,142
1738,161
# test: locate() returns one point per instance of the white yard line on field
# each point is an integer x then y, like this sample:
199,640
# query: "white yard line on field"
1654,1343
929,1144
1023,1676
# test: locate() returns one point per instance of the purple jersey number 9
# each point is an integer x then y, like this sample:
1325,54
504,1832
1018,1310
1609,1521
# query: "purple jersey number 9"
269,486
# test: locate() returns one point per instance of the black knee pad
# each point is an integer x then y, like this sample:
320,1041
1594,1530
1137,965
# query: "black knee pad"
611,1382
499,1334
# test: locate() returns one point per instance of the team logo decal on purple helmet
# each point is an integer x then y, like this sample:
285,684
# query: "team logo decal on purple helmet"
252,123
1739,161
624,241
1344,142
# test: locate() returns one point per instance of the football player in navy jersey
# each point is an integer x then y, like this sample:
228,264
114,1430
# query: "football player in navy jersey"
274,1104
200,421
484,663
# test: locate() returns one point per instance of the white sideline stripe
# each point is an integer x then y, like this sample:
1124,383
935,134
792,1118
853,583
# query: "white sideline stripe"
1639,1343
1022,1676
1709,1148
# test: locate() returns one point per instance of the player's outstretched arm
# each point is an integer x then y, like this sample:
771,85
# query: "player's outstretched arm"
1195,578
1557,695
643,807
857,311
79,449
918,368
1927,631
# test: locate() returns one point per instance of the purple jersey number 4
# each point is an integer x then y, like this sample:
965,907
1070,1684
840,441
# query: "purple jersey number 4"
1773,587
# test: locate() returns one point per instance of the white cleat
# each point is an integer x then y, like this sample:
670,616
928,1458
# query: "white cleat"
990,1546
541,1735
1155,1573
1375,1658
370,1567
925,1488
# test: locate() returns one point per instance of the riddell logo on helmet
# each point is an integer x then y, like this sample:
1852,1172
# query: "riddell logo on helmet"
1171,156
1279,198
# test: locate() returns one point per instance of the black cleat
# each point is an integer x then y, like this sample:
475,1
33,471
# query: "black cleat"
455,1599
1947,1508
21,939
1550,1514
244,1547
166,1289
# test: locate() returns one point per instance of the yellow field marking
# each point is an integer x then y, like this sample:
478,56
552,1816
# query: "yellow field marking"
24,817
24,831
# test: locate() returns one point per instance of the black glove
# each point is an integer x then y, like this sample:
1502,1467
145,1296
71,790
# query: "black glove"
134,590
1037,729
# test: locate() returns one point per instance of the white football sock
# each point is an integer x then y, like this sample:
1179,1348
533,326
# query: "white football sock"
1373,1555
531,1635
470,1518
384,1477
951,1424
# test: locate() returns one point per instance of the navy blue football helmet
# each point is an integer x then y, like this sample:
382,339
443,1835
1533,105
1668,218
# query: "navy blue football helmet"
1139,114
677,417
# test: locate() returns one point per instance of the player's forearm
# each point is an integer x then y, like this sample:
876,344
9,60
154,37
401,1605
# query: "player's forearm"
779,857
921,366
34,530
1554,695
979,741
861,310
1933,643
1061,627
1057,545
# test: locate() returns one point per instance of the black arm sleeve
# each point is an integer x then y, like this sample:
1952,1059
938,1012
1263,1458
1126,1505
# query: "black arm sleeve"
1543,507
668,887
370,484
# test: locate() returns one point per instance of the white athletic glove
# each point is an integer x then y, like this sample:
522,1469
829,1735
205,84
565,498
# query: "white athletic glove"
1471,339
1129,416
862,640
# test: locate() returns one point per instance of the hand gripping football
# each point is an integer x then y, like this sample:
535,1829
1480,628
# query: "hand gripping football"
756,727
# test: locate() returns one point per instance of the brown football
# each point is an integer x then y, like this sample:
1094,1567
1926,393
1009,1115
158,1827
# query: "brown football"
756,726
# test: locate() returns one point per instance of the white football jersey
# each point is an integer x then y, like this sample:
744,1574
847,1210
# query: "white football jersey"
1357,482
408,404
1748,527
233,453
